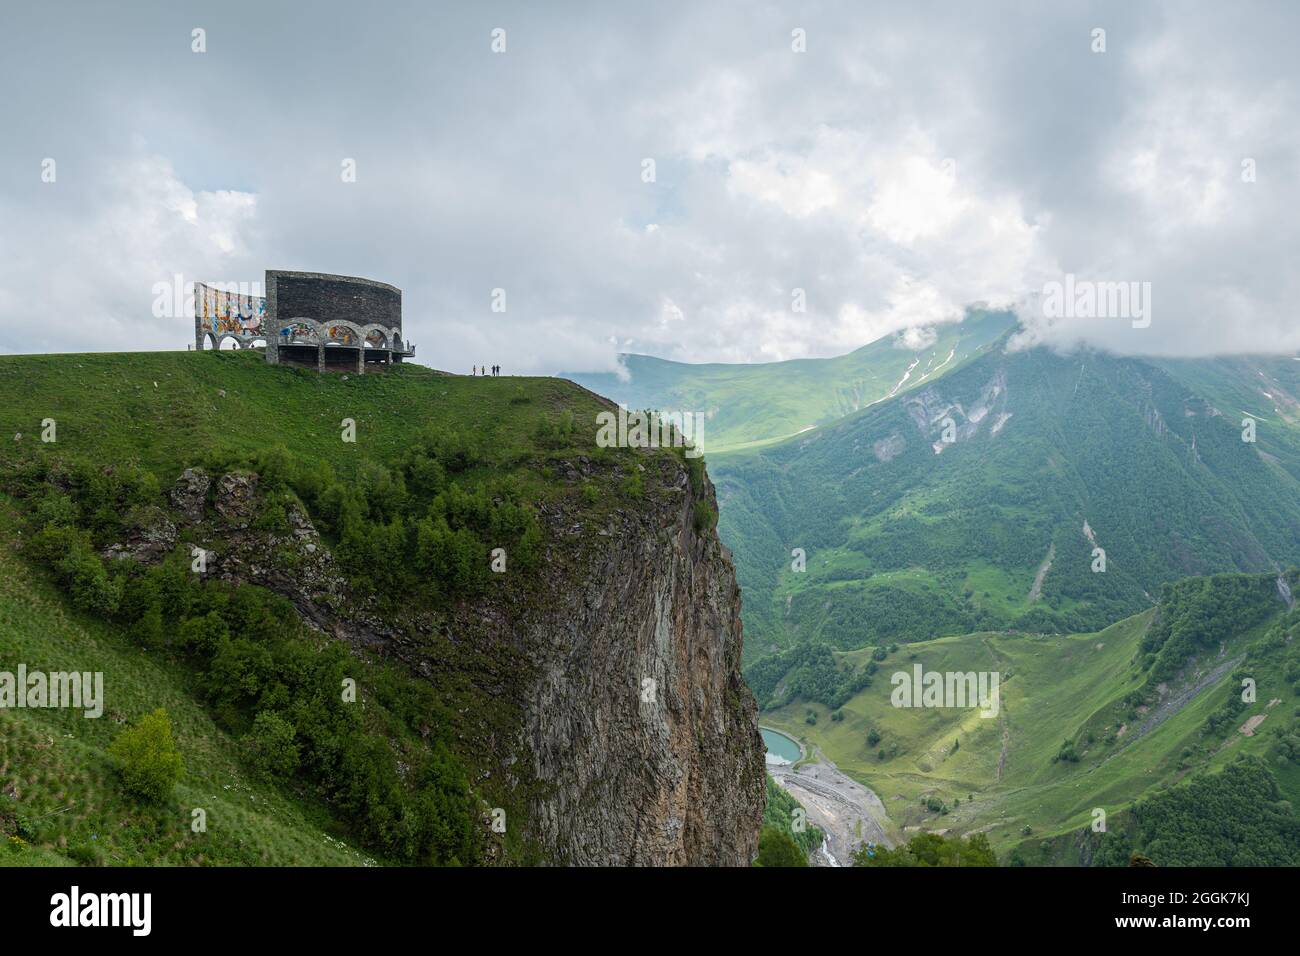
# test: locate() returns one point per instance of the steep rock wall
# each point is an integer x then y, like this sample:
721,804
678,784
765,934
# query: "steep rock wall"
639,719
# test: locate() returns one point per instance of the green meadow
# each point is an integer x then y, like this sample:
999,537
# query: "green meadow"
952,770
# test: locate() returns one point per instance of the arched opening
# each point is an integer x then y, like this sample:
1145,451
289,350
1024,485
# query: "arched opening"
339,334
228,343
297,333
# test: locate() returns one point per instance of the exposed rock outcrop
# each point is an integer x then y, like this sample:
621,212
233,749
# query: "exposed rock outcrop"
150,536
236,498
190,492
635,731
291,560
639,718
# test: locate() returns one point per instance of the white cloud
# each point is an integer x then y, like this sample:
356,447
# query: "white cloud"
916,338
93,271
898,171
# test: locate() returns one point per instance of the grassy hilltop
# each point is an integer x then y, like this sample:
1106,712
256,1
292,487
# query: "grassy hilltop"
164,409
443,468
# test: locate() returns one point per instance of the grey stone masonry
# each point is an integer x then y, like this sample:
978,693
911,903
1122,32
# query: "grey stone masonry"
310,312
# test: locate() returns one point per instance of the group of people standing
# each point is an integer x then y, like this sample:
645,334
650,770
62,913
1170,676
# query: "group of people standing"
484,370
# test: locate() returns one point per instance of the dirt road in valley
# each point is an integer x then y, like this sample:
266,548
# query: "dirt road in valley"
847,811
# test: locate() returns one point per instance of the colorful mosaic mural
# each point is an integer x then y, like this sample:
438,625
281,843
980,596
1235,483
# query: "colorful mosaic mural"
229,313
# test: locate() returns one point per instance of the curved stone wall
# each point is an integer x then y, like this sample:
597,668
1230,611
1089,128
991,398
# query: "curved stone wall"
220,314
313,308
326,298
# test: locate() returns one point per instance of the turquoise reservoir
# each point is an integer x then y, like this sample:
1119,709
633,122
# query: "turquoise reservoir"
780,748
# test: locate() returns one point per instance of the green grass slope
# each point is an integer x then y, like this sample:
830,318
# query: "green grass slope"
1263,387
60,801
752,405
1081,725
162,408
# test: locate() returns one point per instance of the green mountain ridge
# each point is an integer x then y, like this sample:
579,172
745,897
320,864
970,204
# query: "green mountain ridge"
748,405
978,503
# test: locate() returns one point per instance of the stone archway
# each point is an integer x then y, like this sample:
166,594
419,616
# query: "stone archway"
342,332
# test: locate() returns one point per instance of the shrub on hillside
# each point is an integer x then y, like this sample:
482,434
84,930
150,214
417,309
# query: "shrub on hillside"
807,671
86,579
1198,614
634,485
776,848
203,634
266,678
1236,817
57,509
695,471
930,849
271,747
556,432
147,757
87,854
1067,753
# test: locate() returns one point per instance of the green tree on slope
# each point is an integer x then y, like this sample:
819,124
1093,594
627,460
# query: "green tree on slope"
147,756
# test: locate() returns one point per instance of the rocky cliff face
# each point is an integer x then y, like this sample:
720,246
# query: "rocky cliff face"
630,729
639,720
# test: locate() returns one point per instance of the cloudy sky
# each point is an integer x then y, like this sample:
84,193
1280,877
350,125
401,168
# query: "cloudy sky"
913,159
